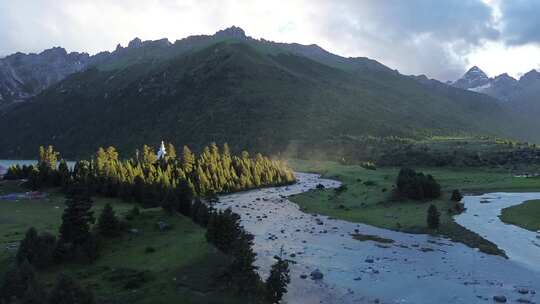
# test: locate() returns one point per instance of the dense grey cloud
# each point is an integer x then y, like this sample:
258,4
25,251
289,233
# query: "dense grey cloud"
415,36
521,21
433,37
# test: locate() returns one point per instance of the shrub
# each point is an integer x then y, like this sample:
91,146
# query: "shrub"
456,196
68,291
417,186
340,189
38,250
15,282
133,213
368,165
369,183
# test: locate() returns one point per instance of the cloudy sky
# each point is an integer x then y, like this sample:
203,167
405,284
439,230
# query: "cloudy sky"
440,38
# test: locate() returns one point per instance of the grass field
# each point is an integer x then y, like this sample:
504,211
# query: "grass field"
183,267
368,198
526,215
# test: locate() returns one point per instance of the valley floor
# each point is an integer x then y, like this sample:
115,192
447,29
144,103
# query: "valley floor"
359,263
368,197
149,266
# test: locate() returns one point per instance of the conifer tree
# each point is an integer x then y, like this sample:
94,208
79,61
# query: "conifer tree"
188,160
276,284
64,176
15,281
242,269
108,224
28,248
433,217
171,152
76,219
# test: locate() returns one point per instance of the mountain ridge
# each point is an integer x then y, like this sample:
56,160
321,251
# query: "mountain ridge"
13,89
503,87
252,93
238,92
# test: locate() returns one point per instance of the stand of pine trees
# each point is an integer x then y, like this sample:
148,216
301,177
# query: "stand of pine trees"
146,179
175,184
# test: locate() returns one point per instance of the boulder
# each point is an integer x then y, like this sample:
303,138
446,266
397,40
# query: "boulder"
316,275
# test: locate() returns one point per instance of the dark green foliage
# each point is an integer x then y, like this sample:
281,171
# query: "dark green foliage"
15,281
133,213
17,172
201,213
64,176
242,270
36,249
279,278
76,220
108,224
456,196
76,242
433,217
68,291
340,189
175,185
224,230
34,294
417,186
249,97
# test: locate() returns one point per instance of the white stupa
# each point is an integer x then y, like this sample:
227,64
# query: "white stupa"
161,152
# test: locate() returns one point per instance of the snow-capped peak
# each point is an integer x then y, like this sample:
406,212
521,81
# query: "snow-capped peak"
474,78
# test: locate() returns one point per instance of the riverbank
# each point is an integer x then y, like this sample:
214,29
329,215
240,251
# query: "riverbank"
365,264
525,215
367,198
484,217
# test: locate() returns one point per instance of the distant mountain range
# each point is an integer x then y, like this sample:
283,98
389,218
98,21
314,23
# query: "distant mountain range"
228,87
503,87
23,76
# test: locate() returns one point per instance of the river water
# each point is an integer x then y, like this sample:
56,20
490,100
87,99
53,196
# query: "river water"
482,217
414,269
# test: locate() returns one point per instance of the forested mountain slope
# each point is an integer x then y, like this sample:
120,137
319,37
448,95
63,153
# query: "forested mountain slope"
240,92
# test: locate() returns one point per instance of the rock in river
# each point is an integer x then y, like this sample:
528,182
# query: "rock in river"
316,275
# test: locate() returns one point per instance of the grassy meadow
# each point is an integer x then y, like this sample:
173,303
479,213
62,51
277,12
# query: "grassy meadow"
526,215
368,197
176,266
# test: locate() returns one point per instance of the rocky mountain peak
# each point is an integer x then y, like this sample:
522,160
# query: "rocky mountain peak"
135,43
54,52
530,77
504,78
473,78
232,32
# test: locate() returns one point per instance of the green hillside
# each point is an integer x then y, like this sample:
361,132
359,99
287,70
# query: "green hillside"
249,93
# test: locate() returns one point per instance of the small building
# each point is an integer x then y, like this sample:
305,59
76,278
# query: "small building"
162,152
